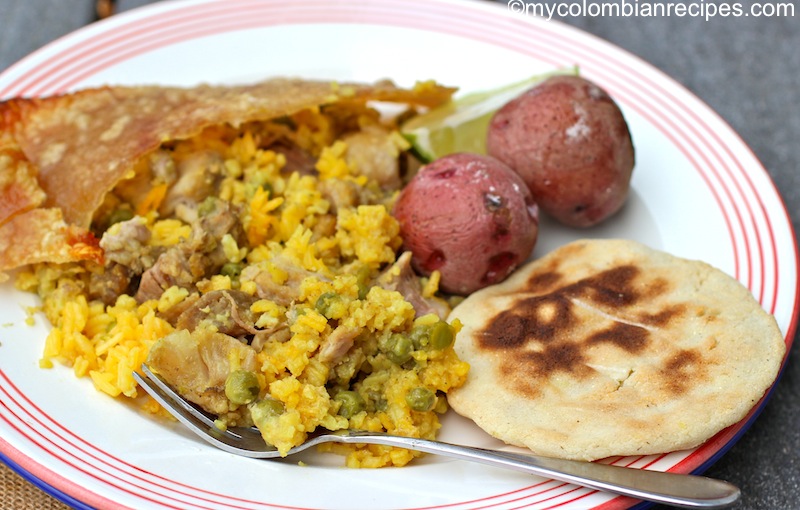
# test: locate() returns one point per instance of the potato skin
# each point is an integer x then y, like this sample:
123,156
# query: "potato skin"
569,141
470,217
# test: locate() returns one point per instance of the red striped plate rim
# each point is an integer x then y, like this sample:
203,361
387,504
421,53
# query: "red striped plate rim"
678,115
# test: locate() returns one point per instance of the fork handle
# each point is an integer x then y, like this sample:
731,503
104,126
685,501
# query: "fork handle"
688,491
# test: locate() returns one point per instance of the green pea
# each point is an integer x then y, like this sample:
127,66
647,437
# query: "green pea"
352,403
420,335
266,186
398,348
442,335
376,401
331,305
231,269
119,215
362,280
262,410
266,408
241,387
207,206
421,399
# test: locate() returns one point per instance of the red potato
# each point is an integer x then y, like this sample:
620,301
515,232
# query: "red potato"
470,217
569,141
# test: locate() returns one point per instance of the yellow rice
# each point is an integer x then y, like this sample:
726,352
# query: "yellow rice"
282,218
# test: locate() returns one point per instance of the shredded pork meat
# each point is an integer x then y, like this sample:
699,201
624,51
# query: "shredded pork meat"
197,178
227,311
373,152
198,257
337,344
283,292
199,363
401,278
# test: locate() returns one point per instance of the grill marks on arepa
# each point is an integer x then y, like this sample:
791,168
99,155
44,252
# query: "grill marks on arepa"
547,331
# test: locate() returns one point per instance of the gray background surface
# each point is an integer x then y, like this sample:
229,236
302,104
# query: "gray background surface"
745,68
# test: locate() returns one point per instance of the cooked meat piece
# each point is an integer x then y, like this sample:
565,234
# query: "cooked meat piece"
297,160
373,152
163,166
282,293
110,284
186,212
324,227
198,176
341,194
211,227
222,218
177,266
401,277
228,311
172,313
279,333
198,363
198,257
126,243
337,344
127,255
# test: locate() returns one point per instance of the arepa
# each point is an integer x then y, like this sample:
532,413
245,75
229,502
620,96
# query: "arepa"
609,347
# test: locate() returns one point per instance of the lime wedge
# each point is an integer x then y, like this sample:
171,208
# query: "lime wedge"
460,124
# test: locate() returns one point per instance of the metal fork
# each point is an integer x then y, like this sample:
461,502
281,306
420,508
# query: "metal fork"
687,491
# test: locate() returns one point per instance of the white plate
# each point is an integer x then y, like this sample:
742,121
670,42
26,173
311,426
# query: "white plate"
698,192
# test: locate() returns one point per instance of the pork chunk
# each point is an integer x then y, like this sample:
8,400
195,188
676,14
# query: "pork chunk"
227,311
198,363
401,277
